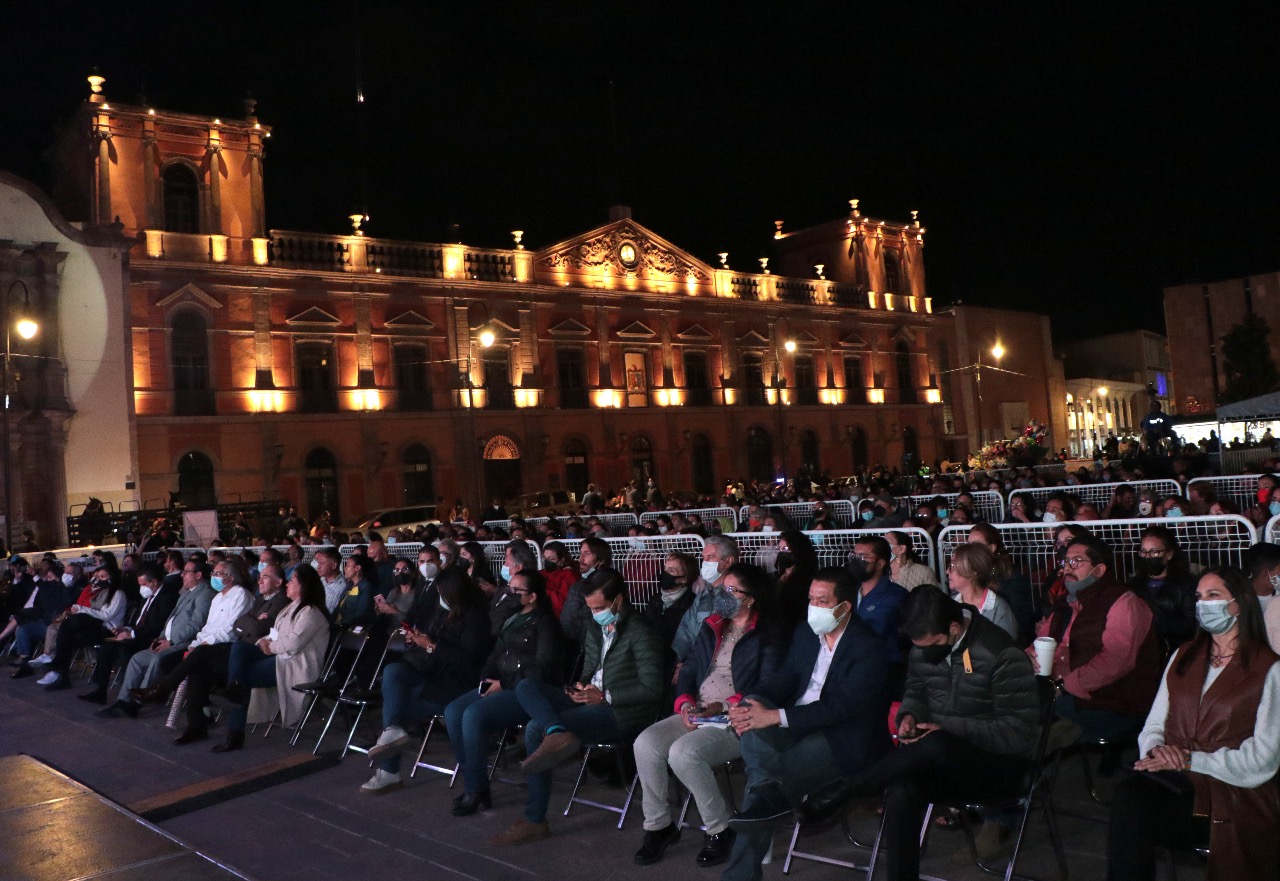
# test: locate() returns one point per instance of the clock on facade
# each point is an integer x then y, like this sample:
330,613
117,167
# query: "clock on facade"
628,255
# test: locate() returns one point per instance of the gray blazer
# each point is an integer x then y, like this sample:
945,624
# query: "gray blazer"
190,614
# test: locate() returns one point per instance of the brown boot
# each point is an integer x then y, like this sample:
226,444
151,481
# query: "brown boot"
553,750
521,832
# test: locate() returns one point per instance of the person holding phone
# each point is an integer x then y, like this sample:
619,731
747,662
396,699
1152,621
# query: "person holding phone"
737,647
529,646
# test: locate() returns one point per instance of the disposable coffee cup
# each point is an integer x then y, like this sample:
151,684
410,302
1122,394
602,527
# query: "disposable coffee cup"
1045,647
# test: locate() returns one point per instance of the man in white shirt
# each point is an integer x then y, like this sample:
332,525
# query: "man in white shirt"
328,563
819,717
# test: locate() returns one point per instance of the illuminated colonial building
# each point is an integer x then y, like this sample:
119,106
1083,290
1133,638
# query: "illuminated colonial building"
347,372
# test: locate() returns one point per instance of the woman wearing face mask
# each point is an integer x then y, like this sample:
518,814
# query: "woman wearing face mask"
561,571
471,555
736,648
674,597
905,568
1210,747
529,646
796,563
1164,579
86,625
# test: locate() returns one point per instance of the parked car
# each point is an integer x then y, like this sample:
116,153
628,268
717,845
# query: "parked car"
543,504
396,518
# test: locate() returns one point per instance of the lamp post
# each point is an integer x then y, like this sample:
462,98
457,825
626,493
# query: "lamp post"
486,339
27,328
782,328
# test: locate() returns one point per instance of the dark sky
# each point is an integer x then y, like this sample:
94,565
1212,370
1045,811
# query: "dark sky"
1073,162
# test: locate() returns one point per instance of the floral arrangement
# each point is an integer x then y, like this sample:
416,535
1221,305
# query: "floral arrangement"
1027,448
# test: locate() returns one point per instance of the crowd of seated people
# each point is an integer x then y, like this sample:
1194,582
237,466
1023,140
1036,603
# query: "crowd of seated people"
772,660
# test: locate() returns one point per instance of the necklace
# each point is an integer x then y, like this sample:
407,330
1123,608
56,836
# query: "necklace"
1218,660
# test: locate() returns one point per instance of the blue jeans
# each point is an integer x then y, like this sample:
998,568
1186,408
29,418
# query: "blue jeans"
1098,724
775,756
473,719
548,705
252,669
402,703
28,637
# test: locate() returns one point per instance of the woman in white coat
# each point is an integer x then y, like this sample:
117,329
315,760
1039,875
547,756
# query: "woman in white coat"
291,653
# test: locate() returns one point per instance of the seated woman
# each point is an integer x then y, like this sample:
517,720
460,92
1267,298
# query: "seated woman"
1164,580
292,652
796,564
1010,582
736,648
969,577
530,646
446,642
674,597
355,609
86,625
905,568
1210,747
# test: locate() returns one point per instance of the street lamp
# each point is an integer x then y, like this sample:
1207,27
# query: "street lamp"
27,328
783,330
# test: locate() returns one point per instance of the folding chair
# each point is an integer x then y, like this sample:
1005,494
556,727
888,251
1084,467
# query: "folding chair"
439,769
615,747
727,769
358,695
339,640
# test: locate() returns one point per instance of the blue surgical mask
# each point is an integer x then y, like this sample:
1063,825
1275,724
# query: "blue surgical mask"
216,582
1214,617
605,617
868,515
1173,512
942,513
1274,508
505,572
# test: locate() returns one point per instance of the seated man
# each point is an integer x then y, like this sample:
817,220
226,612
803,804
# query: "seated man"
719,552
879,602
166,651
617,695
33,606
821,713
1108,660
968,716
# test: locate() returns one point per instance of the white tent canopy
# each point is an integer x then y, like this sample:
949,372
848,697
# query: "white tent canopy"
1251,410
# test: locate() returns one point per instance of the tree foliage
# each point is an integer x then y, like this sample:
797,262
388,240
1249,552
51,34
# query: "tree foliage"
1247,363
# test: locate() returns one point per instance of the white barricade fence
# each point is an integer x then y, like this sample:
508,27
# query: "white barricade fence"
495,554
1207,541
74,555
617,524
800,513
407,550
1242,489
832,545
988,504
726,516
1271,532
639,559
1099,494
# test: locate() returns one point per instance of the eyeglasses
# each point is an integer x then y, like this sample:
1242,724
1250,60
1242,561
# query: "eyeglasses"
190,571
866,558
1152,552
1077,562
736,591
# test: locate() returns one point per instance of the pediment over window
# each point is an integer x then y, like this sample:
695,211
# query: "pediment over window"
410,321
906,335
570,327
696,332
189,293
620,249
853,341
315,315
804,338
753,338
637,331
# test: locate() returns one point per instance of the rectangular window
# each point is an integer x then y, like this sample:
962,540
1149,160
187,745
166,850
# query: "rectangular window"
572,379
753,380
636,365
413,378
696,381
855,385
497,380
317,390
806,382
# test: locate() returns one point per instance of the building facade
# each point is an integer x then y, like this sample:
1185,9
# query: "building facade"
348,372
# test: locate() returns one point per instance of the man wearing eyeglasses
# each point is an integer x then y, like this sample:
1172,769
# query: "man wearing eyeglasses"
1108,661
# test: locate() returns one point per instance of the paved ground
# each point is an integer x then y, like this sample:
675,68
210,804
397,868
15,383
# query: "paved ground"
322,826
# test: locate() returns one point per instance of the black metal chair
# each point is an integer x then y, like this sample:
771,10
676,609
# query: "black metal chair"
328,686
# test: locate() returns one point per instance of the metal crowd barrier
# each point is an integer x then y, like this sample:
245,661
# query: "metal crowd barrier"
1271,532
1209,540
1242,489
617,524
1099,494
640,558
800,513
832,545
988,504
727,516
495,553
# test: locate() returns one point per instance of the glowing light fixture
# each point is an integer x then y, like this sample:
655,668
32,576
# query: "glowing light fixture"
789,345
997,351
486,338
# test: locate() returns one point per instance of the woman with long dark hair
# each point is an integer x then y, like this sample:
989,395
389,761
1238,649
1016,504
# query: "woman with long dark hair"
905,567
1210,747
797,561
87,625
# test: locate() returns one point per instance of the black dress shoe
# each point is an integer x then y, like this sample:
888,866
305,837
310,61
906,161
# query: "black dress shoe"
234,741
94,697
149,695
656,843
716,848
768,802
191,735
24,670
825,803
470,804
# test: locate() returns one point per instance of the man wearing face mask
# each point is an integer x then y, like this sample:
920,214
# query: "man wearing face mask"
821,712
1262,567
1108,660
719,552
596,561
518,557
879,602
1058,508
138,632
967,722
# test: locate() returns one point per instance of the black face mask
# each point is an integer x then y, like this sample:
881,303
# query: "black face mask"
667,582
550,565
1149,567
858,570
935,654
404,578
785,561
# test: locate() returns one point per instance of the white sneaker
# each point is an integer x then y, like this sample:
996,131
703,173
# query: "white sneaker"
382,782
43,659
391,740
49,678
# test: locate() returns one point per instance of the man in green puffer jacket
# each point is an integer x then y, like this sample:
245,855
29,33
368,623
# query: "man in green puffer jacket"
968,721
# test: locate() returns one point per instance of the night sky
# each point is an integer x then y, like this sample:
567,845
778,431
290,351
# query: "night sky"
1073,163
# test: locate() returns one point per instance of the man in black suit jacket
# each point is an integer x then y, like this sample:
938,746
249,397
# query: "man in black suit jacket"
819,717
136,634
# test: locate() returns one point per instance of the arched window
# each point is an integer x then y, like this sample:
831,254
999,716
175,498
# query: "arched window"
502,473
189,348
906,384
892,273
703,463
322,485
418,486
195,481
576,472
809,452
759,455
181,199
642,467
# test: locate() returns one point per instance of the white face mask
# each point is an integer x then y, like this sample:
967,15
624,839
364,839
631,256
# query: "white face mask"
710,571
429,570
1049,517
822,620
766,528
145,591
68,579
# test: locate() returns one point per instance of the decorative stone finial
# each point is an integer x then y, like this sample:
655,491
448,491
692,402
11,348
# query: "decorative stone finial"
356,220
95,87
724,259
777,234
518,235
853,208
764,265
819,268
915,218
